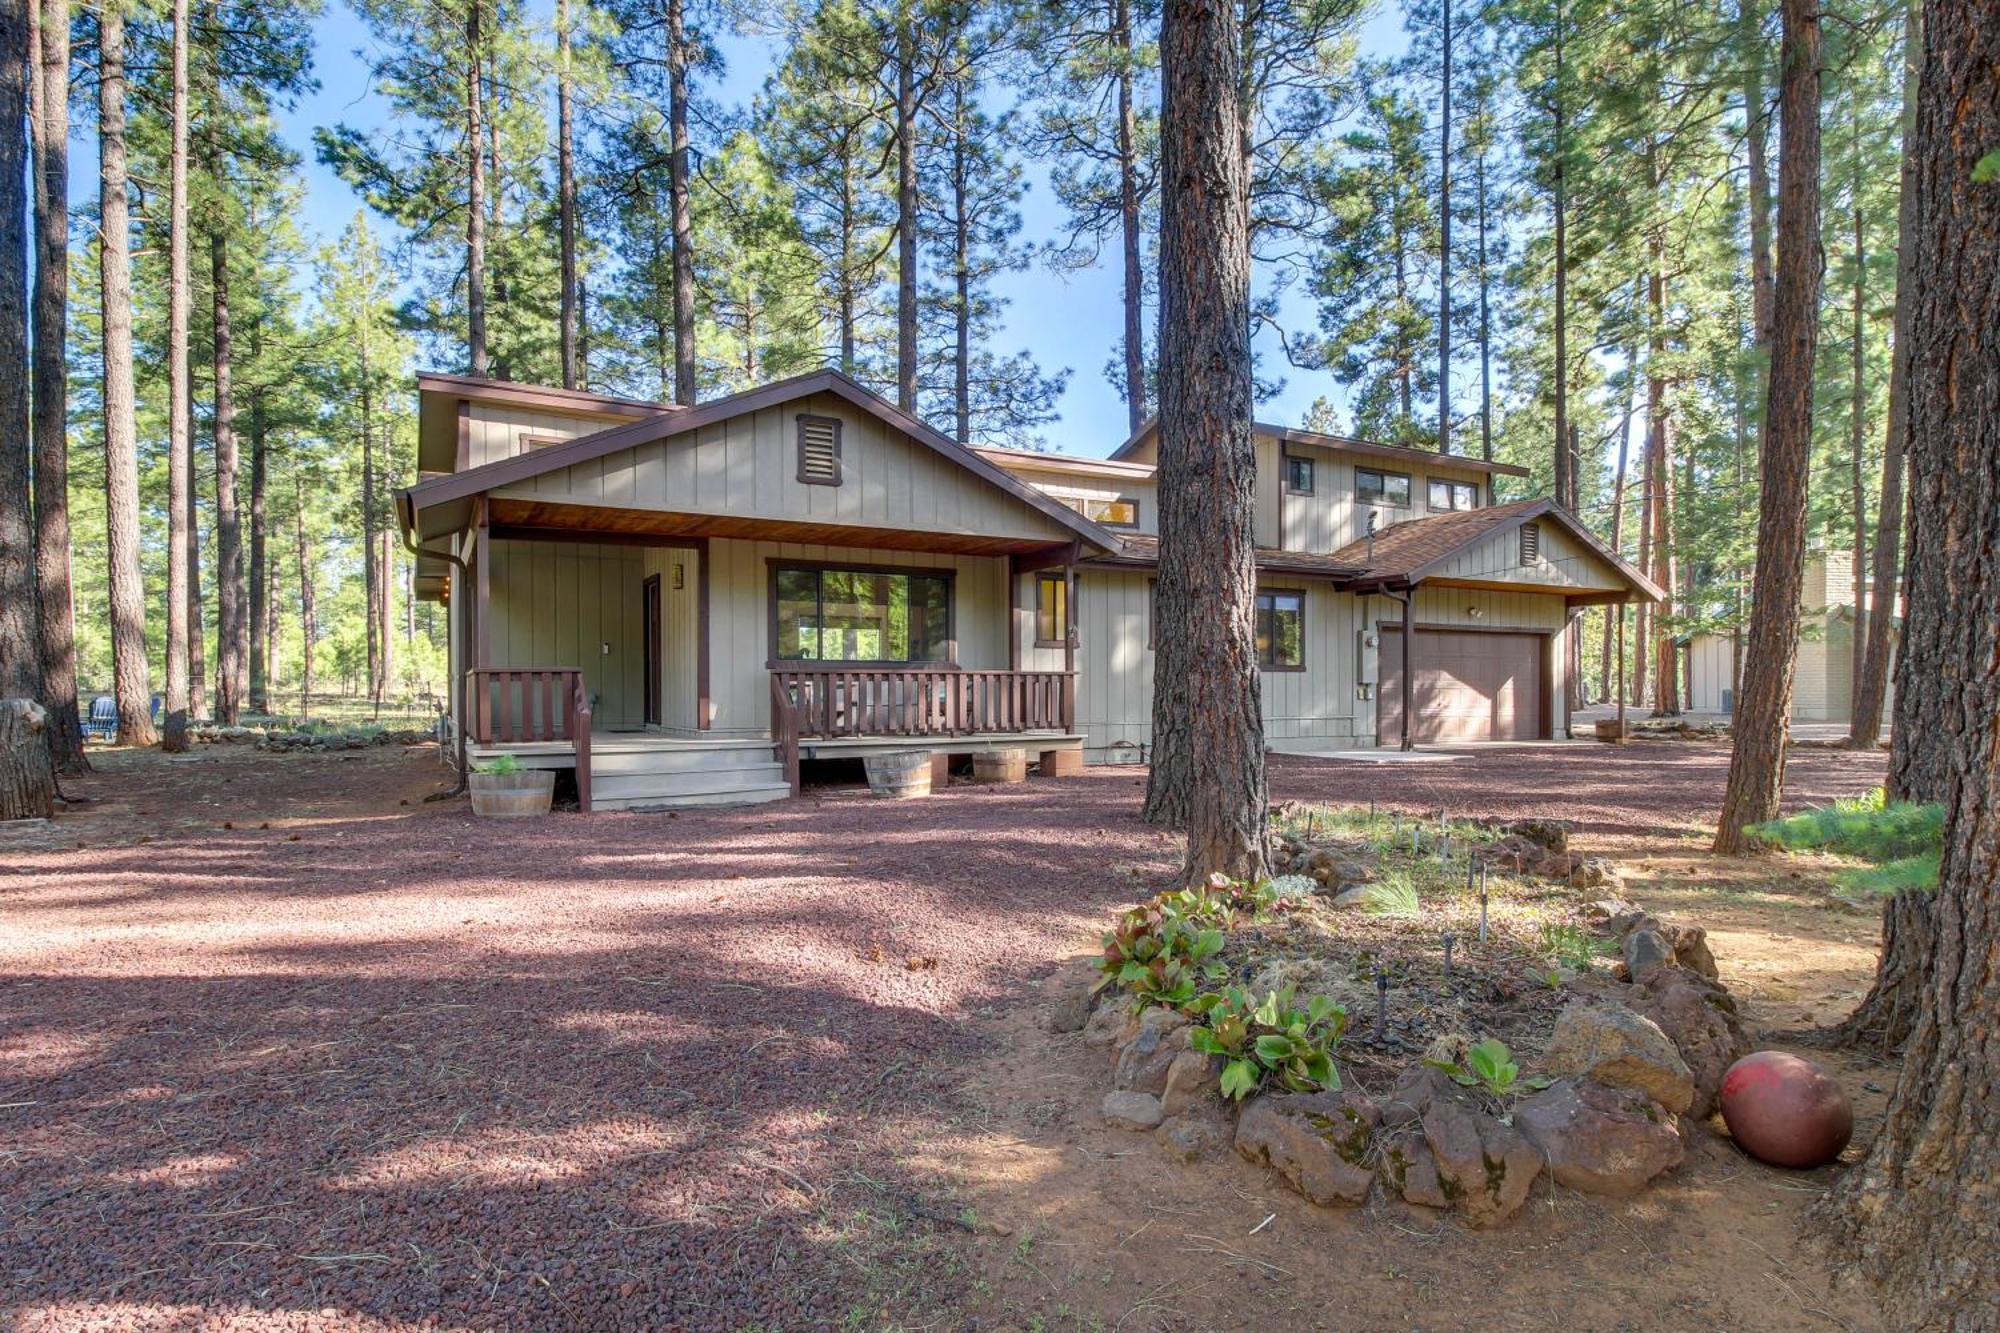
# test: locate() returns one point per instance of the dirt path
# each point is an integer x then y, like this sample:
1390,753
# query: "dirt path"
379,1062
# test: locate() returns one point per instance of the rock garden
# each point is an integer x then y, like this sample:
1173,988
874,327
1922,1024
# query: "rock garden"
1447,1010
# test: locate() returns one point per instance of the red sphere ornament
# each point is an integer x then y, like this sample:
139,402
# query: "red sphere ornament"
1786,1111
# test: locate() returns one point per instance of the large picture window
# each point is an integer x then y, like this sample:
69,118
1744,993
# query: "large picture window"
1373,485
858,615
1281,630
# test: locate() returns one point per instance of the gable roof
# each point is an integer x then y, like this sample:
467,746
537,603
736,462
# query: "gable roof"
1293,435
1144,553
438,424
1404,553
667,424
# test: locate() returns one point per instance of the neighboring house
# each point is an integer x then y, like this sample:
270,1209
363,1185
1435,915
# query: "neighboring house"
683,603
1823,681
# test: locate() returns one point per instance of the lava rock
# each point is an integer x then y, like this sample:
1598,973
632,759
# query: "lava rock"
1467,1158
1193,1079
1073,997
1691,951
1146,1051
1195,1135
1409,1168
1107,1023
1131,1110
1546,833
1699,1017
1645,950
1616,1046
1600,1139
1786,1110
1317,1141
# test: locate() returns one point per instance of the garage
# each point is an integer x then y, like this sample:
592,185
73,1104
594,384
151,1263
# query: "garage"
1470,685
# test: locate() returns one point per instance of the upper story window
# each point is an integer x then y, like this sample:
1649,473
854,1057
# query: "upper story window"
529,441
860,615
1281,630
1298,475
1531,543
1122,512
1051,611
1453,495
1374,486
819,450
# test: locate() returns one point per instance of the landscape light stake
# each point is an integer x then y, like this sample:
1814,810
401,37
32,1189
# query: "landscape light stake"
1381,1005
1471,868
1449,940
1482,905
1416,840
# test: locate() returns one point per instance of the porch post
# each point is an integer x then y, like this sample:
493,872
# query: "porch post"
1409,661
481,582
1069,641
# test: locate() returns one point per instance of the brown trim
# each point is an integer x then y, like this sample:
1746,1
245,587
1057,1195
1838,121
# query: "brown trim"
652,658
1430,508
805,421
526,440
545,396
1317,440
483,581
1285,461
773,564
1502,525
1408,478
1066,578
704,705
1031,461
1013,613
518,532
1304,597
464,459
1544,724
521,467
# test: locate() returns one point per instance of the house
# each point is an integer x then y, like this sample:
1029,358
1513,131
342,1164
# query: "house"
685,603
1823,680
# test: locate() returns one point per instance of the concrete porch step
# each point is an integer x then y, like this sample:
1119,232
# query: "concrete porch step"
678,783
745,794
607,761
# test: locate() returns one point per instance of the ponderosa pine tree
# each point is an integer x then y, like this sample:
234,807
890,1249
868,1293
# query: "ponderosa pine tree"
1921,1214
20,630
183,628
1207,775
1760,734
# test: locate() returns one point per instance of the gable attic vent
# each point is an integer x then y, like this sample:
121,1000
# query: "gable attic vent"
819,450
1531,543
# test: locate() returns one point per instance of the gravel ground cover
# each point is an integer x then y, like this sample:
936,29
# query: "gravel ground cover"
397,1064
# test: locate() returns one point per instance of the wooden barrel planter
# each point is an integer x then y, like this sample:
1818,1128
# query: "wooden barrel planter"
899,774
1000,766
1611,730
513,795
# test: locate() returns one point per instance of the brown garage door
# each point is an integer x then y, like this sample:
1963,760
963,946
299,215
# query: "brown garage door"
1469,687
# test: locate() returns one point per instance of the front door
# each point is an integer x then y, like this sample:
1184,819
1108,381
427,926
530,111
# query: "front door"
650,638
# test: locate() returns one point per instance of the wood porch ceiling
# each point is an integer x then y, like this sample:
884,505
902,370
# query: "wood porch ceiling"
519,519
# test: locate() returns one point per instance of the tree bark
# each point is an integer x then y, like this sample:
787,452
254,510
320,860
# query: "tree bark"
308,621
232,641
20,629
260,566
1921,1214
1444,236
197,615
1606,667
375,572
678,188
1128,217
50,129
1485,318
1865,730
566,199
1565,488
961,271
1666,679
131,674
1757,121
1763,714
906,208
180,426
27,775
1208,731
475,193
1857,427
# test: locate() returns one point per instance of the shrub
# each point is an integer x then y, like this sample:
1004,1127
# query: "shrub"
501,767
1269,1040
1868,828
1162,951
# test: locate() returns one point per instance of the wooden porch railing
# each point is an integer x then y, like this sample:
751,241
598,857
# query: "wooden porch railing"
513,705
830,703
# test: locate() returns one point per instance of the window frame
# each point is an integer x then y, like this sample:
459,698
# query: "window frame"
773,662
1080,504
1469,487
1271,595
1381,498
1311,466
804,420
532,440
1042,580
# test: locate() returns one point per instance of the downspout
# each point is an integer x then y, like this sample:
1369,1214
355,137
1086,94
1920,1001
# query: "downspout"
458,711
1408,597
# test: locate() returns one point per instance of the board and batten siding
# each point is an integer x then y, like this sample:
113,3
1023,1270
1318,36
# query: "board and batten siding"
680,631
1064,485
1565,562
747,467
1333,515
572,604
740,617
494,431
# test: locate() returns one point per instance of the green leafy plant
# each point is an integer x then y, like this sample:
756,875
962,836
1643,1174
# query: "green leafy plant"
1269,1040
1394,894
1573,946
1490,1067
1161,953
501,767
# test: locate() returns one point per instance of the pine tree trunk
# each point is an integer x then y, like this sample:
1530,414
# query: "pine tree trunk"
1649,499
260,567
566,198
50,129
1763,714
1856,453
20,630
961,267
1564,486
1208,731
131,673
197,614
475,193
371,568
1606,667
27,775
1444,238
678,186
1758,121
308,622
1128,217
180,428
1666,678
1485,320
231,631
1871,690
906,208
1921,1215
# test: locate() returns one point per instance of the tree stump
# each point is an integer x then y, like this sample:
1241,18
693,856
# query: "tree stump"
27,776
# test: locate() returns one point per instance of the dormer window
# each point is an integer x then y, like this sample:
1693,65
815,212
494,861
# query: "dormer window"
819,450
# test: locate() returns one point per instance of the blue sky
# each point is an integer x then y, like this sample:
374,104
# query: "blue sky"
1066,319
